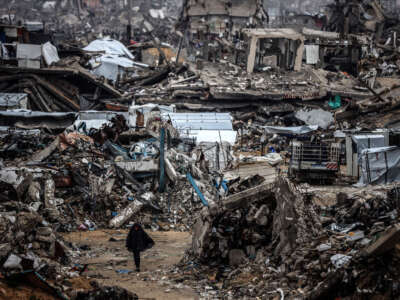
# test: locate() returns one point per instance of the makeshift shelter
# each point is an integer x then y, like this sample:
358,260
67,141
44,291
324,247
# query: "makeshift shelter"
379,166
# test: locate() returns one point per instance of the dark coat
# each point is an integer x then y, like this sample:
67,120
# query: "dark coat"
138,240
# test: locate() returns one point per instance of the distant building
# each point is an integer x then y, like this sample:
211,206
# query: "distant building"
222,17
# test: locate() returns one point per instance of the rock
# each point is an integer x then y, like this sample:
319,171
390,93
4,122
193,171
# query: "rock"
236,257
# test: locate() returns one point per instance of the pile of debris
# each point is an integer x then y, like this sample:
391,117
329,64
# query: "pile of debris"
100,292
84,20
84,181
273,240
31,249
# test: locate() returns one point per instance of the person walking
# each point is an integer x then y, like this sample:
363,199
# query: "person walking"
138,241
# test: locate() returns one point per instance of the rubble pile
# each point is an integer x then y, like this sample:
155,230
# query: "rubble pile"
116,112
85,20
80,181
273,240
15,146
31,248
253,219
58,89
101,292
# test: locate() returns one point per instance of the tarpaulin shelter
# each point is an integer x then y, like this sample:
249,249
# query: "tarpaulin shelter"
379,166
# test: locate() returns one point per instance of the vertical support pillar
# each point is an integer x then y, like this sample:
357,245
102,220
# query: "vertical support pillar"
252,55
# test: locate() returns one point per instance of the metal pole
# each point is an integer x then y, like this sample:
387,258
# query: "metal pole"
196,188
223,152
367,167
162,161
387,168
217,156
241,138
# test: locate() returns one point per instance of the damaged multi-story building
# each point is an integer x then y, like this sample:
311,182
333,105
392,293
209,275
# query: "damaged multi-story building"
210,24
220,16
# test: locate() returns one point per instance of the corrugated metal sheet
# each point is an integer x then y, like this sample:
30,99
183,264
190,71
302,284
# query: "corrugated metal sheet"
212,136
200,121
204,127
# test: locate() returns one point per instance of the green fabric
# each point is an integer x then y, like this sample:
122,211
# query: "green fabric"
336,102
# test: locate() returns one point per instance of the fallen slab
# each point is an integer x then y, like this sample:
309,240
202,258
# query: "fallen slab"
385,243
125,214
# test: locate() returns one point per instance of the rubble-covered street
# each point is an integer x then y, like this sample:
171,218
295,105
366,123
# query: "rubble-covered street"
108,261
199,149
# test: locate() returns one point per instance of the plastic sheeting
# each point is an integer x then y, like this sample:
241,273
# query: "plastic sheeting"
290,130
110,66
368,141
379,166
273,158
157,14
50,54
115,59
112,63
109,46
318,117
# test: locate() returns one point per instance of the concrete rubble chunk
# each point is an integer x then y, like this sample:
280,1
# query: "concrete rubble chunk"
236,257
243,198
125,214
386,242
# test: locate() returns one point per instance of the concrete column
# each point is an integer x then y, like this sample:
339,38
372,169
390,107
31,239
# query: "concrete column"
252,54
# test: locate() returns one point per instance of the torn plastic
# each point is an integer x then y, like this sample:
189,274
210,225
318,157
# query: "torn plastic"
109,46
273,158
290,130
318,117
13,262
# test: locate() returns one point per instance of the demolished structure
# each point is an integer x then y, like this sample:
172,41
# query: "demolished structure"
216,119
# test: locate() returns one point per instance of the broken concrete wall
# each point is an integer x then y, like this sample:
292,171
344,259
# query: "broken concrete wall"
246,222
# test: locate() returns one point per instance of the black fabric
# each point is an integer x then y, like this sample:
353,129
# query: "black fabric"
136,258
138,240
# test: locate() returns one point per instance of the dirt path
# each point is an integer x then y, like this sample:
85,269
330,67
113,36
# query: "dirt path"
104,251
